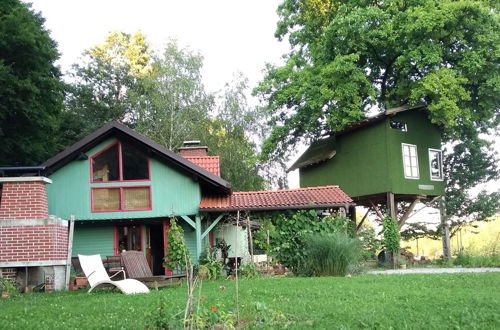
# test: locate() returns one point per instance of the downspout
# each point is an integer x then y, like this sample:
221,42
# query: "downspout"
70,250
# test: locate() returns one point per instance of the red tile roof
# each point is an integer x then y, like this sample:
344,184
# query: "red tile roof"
302,198
209,163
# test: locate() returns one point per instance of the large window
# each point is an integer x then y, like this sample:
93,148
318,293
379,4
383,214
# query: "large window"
436,164
132,198
119,162
127,238
410,161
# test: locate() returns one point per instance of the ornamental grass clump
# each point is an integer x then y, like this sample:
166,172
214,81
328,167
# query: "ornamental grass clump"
331,255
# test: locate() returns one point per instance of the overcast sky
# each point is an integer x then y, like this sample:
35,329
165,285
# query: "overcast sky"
232,35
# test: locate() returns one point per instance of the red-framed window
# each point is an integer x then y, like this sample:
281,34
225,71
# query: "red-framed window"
128,237
119,162
128,198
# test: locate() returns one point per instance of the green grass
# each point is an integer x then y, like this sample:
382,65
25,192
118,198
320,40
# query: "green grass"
437,301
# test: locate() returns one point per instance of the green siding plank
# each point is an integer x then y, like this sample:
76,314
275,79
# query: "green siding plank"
93,239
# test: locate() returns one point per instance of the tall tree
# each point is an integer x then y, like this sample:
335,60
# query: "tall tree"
349,57
171,101
104,81
31,92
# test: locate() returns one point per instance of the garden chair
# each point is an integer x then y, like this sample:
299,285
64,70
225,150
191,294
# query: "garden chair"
96,275
136,266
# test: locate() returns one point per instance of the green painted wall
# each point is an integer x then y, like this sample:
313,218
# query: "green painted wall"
93,239
422,133
369,160
359,166
173,192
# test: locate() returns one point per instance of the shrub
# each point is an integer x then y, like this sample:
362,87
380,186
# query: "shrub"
210,267
177,253
288,235
248,270
331,255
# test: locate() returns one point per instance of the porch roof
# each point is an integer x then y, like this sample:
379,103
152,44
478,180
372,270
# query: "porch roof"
301,198
209,163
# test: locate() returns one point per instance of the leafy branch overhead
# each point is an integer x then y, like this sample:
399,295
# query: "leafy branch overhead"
348,57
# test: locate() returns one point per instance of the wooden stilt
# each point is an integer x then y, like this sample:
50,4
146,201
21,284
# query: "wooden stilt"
405,216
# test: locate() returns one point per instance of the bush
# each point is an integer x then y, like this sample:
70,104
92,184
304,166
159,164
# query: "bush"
331,255
248,270
209,267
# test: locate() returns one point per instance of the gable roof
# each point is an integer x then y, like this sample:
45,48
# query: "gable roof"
114,128
301,198
209,163
324,149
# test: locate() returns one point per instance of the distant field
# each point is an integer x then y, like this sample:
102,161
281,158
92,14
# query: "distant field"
483,238
438,301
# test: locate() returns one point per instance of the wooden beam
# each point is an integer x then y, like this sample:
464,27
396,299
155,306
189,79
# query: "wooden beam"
189,221
375,208
392,206
198,237
363,220
216,221
250,238
405,216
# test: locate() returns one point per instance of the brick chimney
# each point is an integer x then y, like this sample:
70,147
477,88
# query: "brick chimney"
192,148
23,198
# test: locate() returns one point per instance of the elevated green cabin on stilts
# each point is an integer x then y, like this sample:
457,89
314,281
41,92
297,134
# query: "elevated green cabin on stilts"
392,157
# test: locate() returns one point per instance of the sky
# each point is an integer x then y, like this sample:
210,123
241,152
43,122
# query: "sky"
232,35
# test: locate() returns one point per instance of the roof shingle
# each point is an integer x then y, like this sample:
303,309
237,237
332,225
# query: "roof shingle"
209,163
302,198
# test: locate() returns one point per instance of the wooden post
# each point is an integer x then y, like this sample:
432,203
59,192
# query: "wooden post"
391,206
250,238
363,220
445,230
198,237
70,251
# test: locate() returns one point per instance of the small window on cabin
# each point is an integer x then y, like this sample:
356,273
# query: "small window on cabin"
397,125
410,161
106,199
436,164
105,166
134,163
128,238
136,198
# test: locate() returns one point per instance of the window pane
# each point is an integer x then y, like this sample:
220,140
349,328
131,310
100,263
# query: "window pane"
105,165
129,238
435,159
106,199
134,163
136,198
410,161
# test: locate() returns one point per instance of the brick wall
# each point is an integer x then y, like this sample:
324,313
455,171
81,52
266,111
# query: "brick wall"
33,241
8,273
23,200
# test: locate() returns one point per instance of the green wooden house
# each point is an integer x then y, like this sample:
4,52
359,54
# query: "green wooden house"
121,188
394,156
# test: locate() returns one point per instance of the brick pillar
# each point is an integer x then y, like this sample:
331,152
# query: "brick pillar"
23,198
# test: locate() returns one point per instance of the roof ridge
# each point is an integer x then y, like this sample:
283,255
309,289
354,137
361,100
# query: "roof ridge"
283,190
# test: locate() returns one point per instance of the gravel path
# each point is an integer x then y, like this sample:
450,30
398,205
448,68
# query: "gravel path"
434,270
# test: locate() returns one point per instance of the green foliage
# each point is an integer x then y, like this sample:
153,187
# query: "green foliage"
391,235
31,92
209,266
349,57
177,254
248,270
288,235
330,255
370,244
8,286
488,256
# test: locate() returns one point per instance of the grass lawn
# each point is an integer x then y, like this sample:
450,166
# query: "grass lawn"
431,301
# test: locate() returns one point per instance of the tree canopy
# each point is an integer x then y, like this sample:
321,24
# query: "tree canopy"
349,58
31,92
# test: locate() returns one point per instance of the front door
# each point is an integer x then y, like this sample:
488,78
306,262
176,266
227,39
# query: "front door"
157,254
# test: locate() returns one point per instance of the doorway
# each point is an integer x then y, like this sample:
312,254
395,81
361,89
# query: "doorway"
157,249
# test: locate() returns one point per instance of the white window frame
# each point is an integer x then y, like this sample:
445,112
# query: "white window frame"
440,152
413,161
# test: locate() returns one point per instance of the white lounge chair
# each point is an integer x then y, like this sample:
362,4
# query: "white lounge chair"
96,275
